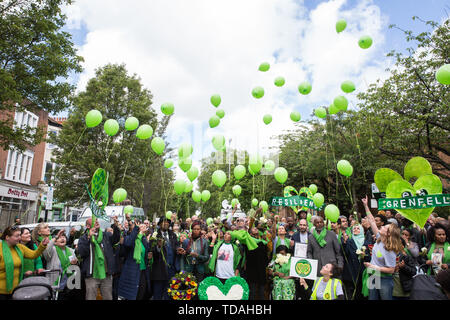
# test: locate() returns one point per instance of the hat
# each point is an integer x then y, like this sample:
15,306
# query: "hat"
394,221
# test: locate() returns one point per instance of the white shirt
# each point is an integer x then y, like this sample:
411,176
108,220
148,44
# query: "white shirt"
224,264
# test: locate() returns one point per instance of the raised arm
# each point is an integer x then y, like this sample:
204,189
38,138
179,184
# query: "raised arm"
373,225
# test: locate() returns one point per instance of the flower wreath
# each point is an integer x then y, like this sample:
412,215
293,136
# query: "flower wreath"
183,286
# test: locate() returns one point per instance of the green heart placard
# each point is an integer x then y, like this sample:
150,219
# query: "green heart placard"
396,187
304,190
235,288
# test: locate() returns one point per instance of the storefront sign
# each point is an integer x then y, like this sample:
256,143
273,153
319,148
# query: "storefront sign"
17,193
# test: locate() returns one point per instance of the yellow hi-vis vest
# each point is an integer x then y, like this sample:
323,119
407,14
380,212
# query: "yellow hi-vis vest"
327,294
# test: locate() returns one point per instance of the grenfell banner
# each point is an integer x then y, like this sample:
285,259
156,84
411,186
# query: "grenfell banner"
419,202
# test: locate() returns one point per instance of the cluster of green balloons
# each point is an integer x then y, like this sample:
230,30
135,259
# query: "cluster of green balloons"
198,196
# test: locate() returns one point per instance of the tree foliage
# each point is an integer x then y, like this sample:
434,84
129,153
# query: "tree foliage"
35,58
130,162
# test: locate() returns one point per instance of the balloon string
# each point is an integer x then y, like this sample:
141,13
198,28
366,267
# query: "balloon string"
334,158
143,176
326,161
128,160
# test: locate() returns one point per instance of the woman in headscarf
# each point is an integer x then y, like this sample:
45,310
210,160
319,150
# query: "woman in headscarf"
353,262
283,284
195,251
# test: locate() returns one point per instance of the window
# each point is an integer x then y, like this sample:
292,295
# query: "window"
19,166
24,119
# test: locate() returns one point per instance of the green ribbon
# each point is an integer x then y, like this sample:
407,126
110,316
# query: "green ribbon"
419,202
9,264
320,237
99,258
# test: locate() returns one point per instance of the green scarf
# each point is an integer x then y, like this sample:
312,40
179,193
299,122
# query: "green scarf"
137,254
99,258
9,264
320,237
63,257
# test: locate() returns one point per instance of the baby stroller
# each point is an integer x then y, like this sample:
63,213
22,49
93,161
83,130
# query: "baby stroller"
38,287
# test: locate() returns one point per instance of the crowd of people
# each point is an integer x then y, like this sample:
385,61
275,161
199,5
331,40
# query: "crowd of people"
135,260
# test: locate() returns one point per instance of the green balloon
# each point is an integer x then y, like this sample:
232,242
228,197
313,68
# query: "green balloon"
197,196
279,81
269,165
219,178
111,127
267,119
251,171
119,195
341,103
218,142
144,132
237,190
188,187
255,163
185,164
128,209
258,92
167,108
345,168
185,150
265,66
313,188
214,121
341,25
320,112
332,109
308,217
206,195
215,100
254,202
131,124
318,199
158,145
192,173
179,186
93,118
281,175
305,87
264,205
168,215
332,212
168,163
347,86
295,116
234,202
443,74
365,42
239,172
209,221
220,113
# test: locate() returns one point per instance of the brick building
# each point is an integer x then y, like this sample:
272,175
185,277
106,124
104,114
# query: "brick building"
21,172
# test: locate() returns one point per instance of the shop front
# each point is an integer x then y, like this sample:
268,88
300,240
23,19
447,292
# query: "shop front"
17,201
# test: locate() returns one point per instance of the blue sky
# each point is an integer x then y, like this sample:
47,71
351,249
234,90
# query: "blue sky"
185,51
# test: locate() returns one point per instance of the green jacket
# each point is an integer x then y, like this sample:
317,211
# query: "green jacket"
236,257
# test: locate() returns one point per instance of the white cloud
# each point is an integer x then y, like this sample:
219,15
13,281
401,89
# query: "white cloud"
185,51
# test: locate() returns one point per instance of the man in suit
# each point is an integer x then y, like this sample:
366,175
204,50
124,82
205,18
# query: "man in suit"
323,246
302,235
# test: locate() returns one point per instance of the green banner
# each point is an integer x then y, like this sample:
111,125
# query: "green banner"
420,202
294,201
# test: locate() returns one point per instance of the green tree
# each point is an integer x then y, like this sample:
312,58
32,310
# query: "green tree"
35,58
131,163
